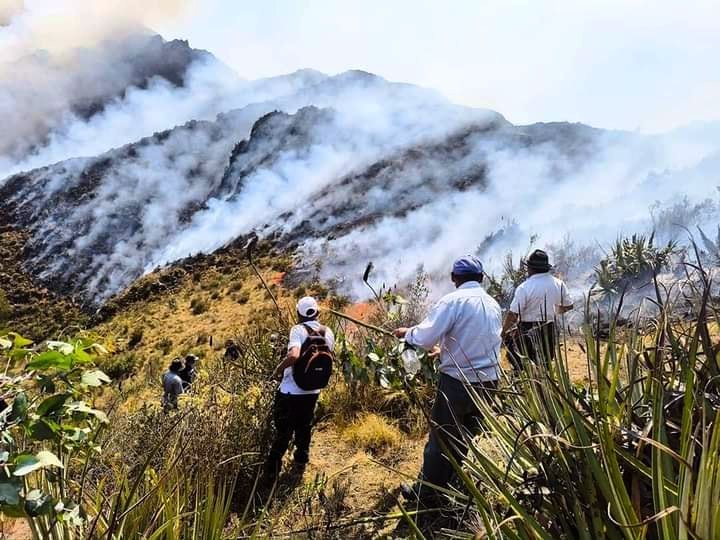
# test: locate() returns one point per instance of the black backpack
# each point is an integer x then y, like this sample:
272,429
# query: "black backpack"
314,366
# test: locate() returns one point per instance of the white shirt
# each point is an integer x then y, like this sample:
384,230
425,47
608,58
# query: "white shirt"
298,335
536,298
466,324
172,387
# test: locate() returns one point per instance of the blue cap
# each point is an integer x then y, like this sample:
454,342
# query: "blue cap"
469,264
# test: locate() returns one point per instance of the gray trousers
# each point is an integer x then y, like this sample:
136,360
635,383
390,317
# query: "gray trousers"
452,411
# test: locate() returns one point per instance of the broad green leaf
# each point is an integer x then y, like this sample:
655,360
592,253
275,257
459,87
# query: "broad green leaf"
48,459
10,492
27,463
82,407
61,347
80,355
16,354
52,404
50,359
94,378
19,341
19,407
44,430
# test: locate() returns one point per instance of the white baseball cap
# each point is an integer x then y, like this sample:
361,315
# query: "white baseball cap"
307,307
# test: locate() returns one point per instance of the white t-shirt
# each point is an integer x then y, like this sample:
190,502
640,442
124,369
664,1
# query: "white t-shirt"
536,298
298,335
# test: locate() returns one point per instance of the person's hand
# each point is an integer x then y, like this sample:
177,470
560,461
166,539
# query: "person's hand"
434,352
400,332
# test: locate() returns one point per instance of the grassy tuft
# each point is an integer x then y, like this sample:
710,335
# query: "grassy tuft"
373,433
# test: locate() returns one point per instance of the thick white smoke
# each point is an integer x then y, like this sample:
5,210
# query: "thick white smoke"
609,195
550,196
64,60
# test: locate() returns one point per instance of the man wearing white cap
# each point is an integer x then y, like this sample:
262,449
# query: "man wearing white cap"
466,325
294,406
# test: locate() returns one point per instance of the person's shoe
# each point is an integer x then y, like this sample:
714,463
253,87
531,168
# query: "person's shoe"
418,494
411,492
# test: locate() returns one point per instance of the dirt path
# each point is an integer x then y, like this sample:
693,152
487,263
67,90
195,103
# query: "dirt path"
343,483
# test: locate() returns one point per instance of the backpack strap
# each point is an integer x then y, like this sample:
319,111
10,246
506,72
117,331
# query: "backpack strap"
312,332
309,329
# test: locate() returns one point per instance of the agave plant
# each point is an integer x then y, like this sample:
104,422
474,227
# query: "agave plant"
632,261
633,454
712,246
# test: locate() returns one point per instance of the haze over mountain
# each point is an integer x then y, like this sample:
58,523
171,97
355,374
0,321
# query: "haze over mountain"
178,155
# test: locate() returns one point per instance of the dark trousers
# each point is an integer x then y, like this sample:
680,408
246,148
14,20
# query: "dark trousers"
533,341
293,416
453,411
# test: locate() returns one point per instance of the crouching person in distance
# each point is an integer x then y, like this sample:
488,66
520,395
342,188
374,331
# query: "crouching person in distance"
466,325
304,372
172,385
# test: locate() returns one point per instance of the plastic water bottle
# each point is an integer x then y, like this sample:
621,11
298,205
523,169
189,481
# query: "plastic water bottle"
410,362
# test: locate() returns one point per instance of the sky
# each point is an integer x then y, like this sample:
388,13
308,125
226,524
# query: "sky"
627,64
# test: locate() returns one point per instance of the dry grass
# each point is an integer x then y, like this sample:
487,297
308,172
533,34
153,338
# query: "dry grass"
373,433
171,329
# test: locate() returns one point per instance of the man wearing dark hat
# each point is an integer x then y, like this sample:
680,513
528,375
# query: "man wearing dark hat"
466,325
188,373
529,327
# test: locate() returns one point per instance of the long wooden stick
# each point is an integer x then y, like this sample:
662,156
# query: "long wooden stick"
361,323
250,247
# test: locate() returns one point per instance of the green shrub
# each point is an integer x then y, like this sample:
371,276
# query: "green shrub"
49,429
235,286
135,338
198,306
121,366
633,454
632,261
165,345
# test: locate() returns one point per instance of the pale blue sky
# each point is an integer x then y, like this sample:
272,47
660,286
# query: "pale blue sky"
649,65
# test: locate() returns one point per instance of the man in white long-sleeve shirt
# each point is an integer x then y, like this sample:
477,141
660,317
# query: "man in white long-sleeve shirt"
465,325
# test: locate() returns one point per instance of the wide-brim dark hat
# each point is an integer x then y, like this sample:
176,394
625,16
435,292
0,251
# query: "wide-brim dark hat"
538,260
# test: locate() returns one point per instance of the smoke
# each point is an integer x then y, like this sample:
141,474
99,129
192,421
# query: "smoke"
57,72
58,28
8,10
551,183
385,172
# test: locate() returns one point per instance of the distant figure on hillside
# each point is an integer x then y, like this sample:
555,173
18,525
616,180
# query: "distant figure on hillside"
232,351
305,371
529,329
466,325
172,385
188,373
